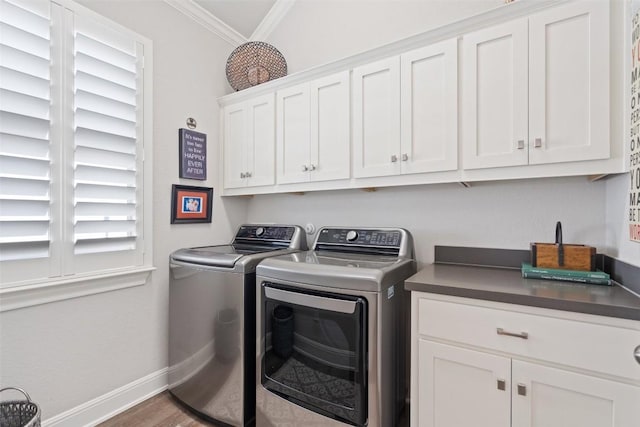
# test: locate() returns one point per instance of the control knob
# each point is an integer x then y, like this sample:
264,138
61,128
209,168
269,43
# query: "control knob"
259,231
352,235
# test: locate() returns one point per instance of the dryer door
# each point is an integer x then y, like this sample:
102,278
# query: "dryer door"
315,351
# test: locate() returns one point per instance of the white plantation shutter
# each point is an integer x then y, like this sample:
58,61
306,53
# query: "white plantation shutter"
25,132
106,139
72,175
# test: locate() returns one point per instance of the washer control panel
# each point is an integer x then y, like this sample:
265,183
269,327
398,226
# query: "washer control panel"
265,232
360,237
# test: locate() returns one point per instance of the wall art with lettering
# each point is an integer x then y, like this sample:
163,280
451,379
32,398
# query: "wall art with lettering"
193,154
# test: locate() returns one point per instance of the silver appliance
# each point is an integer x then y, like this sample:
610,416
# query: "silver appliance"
212,321
331,330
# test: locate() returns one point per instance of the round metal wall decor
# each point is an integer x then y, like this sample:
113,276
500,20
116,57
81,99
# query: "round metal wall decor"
253,63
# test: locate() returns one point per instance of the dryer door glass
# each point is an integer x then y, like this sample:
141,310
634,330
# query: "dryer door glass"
315,350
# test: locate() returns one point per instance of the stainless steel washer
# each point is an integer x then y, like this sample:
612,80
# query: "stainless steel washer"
331,330
212,321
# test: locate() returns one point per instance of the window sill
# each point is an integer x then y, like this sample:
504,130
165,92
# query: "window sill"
17,297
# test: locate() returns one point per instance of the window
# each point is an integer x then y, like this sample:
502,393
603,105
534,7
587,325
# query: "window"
74,129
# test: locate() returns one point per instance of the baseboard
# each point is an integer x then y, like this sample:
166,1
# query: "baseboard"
106,406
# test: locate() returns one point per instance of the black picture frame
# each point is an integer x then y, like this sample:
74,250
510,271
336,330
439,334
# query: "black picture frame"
191,204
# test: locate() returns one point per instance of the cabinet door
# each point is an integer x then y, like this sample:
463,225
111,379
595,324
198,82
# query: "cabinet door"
330,149
569,83
544,396
429,109
460,387
235,141
293,134
376,118
261,141
495,85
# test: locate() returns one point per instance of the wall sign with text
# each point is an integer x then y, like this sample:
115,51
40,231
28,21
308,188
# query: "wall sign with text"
634,147
193,154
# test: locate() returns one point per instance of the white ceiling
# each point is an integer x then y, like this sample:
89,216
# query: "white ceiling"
244,16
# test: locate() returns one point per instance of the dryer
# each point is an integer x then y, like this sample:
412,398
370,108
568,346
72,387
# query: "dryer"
331,330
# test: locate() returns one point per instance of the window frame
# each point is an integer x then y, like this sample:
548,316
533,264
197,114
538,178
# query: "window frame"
64,280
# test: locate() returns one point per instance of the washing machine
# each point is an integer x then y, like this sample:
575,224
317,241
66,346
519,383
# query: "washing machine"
212,321
332,330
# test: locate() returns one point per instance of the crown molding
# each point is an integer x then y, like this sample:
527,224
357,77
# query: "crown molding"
208,20
271,20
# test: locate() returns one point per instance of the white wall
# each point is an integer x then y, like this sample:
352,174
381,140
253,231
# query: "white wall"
315,32
69,352
494,214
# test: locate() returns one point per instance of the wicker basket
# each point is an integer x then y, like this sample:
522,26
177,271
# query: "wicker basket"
19,413
253,63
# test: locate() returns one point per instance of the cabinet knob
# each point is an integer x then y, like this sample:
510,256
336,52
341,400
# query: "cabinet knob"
537,143
243,175
394,158
405,157
522,389
312,167
521,144
248,174
305,168
636,354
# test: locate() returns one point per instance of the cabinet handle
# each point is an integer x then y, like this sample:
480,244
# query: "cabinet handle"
405,157
394,158
502,385
522,389
537,143
305,168
312,167
523,335
248,174
243,175
521,144
636,354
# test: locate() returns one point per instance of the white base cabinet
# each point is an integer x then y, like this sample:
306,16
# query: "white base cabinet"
521,379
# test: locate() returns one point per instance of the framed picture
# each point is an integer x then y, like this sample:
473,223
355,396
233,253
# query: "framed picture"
190,204
193,154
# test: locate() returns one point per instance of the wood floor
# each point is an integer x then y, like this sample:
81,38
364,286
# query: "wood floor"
159,411
164,411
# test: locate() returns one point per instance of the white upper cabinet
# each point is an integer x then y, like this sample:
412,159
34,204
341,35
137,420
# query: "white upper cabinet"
293,134
569,83
249,143
495,96
330,128
536,90
313,130
528,90
429,108
376,118
235,145
405,113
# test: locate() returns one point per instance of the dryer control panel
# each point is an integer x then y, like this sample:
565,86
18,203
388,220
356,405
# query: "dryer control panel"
360,237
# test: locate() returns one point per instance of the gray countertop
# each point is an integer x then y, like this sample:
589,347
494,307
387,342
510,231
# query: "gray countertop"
507,285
